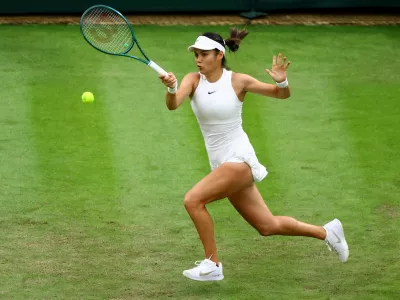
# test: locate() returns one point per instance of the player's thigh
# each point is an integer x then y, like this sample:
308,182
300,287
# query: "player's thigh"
227,179
251,206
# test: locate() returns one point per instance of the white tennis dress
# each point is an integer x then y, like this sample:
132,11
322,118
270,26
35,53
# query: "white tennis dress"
219,113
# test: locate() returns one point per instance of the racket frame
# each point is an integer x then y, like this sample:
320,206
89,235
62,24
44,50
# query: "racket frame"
148,61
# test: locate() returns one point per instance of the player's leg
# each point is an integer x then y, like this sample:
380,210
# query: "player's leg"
249,203
220,183
225,180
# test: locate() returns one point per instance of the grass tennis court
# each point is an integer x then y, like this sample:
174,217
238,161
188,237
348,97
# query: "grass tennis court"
92,194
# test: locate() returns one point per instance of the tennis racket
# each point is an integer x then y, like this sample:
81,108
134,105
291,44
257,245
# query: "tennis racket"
108,31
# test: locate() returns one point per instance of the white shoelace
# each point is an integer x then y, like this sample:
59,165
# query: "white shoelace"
198,262
202,262
330,247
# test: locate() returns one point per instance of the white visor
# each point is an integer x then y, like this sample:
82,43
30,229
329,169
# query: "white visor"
205,43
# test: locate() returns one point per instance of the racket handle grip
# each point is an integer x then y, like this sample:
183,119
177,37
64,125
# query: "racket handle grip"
157,68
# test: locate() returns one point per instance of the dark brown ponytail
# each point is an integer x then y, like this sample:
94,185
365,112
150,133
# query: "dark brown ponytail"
233,42
235,37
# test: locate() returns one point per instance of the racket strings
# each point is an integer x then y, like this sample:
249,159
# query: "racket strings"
116,19
107,30
126,35
110,35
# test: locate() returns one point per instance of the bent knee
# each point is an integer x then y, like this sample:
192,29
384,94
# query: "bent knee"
269,228
191,201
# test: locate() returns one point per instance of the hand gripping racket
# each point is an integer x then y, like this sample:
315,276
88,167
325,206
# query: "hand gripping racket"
107,30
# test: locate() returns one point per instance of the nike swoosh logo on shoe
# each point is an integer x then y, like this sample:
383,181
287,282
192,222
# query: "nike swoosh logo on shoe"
338,238
206,273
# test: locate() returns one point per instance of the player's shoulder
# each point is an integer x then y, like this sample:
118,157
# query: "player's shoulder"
241,77
193,75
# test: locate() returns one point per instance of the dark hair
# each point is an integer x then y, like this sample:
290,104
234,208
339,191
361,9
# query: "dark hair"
233,42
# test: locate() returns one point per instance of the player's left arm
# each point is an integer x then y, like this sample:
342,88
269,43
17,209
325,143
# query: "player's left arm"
278,74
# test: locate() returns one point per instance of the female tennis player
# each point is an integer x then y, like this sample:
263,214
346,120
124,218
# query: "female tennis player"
216,96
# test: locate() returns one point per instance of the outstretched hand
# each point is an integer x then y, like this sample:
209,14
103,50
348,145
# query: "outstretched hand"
279,68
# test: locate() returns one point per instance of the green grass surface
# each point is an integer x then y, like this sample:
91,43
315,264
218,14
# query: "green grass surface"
91,194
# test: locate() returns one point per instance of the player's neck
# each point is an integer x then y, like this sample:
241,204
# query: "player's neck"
215,75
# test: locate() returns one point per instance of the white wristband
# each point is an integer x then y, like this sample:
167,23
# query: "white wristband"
283,84
173,91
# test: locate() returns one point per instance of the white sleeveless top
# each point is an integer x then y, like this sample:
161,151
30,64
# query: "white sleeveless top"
218,111
219,114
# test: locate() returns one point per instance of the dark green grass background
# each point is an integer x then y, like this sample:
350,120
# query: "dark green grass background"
91,194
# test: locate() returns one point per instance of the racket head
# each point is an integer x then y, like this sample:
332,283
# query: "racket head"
107,30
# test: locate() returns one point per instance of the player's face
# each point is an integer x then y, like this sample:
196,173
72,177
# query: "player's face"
207,60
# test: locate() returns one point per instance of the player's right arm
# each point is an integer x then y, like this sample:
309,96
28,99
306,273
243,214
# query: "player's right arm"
173,101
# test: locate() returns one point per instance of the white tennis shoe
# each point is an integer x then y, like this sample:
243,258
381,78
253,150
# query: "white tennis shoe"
335,239
206,270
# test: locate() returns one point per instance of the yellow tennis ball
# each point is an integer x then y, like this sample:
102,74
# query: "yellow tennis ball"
87,97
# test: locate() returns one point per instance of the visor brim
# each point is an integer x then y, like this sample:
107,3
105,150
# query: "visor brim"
205,48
